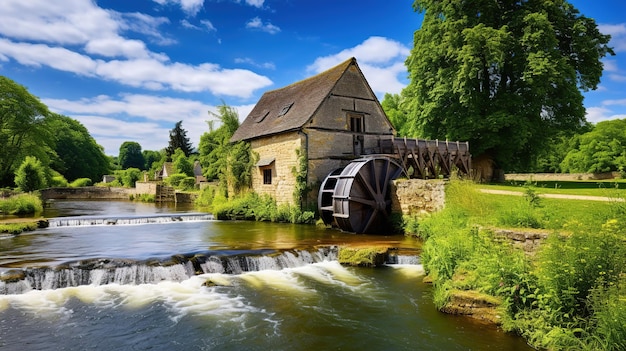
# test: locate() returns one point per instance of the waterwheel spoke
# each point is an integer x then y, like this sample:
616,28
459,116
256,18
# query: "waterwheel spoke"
373,194
362,200
370,221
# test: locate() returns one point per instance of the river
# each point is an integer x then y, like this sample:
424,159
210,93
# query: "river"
139,276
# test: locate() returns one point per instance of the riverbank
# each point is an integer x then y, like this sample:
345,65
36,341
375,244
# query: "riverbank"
551,270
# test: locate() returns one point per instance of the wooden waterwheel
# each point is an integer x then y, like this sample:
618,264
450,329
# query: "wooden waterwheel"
361,196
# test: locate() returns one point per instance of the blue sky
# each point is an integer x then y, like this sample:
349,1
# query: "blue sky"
129,70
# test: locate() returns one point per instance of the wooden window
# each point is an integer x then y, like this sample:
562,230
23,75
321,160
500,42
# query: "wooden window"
356,121
267,176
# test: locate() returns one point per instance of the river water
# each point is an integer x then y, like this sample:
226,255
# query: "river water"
142,277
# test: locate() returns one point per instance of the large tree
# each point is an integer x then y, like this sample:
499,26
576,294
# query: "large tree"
22,129
131,156
77,153
505,75
179,140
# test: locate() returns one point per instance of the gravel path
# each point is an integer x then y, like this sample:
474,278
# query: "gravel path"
554,196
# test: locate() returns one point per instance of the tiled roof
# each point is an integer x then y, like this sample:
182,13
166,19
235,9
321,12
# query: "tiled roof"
289,108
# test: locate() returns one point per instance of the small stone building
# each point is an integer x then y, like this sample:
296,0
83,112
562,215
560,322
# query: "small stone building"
332,118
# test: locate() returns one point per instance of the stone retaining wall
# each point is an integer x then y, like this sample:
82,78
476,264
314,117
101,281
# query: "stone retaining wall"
417,196
88,192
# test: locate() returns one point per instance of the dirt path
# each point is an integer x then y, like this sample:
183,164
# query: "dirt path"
553,196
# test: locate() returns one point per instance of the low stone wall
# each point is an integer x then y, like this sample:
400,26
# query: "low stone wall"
88,192
417,196
542,177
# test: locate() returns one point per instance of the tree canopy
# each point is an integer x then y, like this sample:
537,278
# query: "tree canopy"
603,149
179,140
77,153
22,129
504,75
131,155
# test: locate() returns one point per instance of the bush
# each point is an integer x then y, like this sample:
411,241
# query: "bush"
22,204
127,177
31,175
175,179
80,182
58,181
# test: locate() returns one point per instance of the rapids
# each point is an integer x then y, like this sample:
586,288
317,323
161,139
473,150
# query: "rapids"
201,284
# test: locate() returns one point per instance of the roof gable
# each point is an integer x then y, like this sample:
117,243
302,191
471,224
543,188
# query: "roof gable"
289,108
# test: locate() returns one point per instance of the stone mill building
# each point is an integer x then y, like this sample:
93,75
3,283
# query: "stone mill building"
332,117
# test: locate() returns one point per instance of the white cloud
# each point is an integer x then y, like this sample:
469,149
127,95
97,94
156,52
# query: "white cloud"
267,27
381,60
249,61
599,114
617,33
145,119
255,3
190,7
150,73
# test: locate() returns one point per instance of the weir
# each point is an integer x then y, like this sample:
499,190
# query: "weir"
177,268
128,220
96,272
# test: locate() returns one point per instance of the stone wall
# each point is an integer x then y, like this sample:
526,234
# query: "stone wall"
88,192
417,196
281,149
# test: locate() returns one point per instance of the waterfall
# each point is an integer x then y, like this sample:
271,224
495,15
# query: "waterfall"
177,268
128,220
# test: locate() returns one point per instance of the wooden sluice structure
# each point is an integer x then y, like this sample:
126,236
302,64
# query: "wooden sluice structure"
357,197
425,159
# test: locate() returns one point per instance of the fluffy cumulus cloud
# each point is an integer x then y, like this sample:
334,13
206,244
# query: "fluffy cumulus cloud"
109,120
79,37
380,59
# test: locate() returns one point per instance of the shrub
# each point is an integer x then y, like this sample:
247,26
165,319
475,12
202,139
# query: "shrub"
80,182
21,204
31,175
175,179
58,181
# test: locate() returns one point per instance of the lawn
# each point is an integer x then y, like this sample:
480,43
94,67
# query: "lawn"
606,188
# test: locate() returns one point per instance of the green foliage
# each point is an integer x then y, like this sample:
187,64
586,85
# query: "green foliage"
77,153
21,204
230,163
127,177
175,179
571,295
603,149
131,156
17,228
503,75
392,105
151,158
30,176
143,198
80,182
301,189
23,130
251,206
182,163
179,140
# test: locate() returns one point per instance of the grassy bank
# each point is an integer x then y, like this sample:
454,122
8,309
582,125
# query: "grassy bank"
21,204
251,206
571,294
